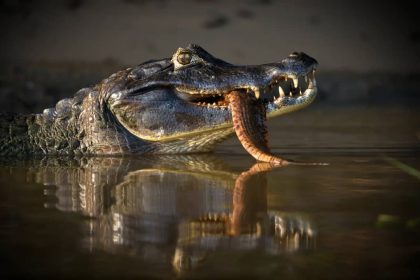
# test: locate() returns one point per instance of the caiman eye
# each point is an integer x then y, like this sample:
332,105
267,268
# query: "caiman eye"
184,58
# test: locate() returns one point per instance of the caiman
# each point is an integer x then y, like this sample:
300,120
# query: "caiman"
184,104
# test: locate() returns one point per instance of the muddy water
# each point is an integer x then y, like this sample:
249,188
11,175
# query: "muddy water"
215,216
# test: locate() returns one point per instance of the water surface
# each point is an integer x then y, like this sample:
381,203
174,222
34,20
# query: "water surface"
210,216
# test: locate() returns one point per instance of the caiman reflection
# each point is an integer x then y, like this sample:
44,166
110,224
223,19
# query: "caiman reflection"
175,210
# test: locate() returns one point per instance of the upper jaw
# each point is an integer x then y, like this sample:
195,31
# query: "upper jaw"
293,76
281,85
291,84
288,78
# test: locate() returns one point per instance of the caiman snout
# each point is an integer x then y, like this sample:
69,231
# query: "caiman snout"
294,65
295,75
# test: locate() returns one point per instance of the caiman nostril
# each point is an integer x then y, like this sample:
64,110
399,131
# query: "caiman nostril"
294,54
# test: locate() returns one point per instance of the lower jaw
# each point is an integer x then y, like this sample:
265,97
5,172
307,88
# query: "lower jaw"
286,104
276,108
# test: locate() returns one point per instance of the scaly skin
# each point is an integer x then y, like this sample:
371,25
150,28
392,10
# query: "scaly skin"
184,104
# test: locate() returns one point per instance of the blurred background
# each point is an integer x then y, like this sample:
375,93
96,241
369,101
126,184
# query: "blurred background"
368,53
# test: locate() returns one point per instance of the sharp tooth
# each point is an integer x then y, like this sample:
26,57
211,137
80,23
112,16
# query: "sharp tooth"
290,94
281,92
300,92
295,82
257,93
214,104
312,81
306,79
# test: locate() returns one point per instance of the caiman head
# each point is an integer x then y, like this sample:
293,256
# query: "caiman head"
191,101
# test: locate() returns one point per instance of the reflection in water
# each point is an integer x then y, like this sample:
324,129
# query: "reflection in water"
174,210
